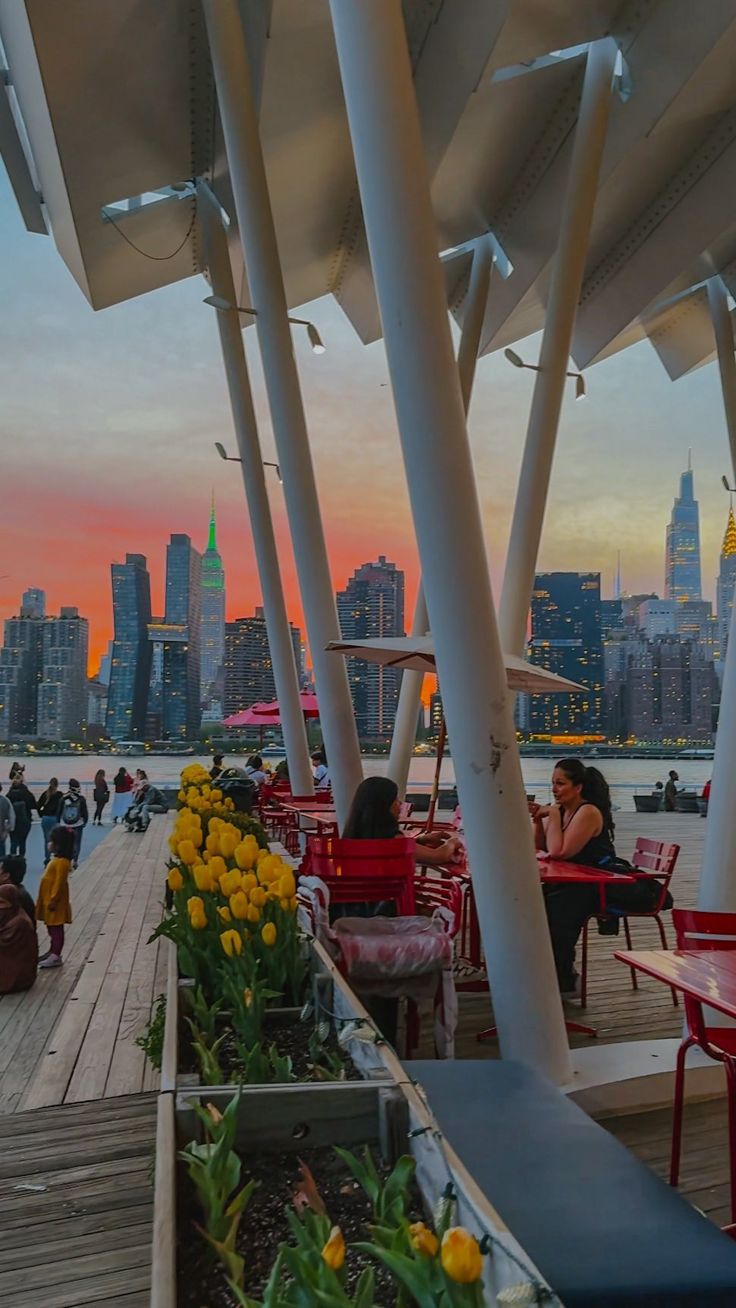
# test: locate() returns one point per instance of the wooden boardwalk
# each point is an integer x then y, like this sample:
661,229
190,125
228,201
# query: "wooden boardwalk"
76,1205
72,1037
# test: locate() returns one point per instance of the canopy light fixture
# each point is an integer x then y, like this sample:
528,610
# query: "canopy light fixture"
224,306
727,485
513,358
233,458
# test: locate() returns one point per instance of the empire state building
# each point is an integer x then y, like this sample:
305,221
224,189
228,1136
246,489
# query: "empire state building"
212,635
682,551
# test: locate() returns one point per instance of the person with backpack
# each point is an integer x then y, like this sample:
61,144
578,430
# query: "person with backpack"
24,804
49,807
75,816
7,820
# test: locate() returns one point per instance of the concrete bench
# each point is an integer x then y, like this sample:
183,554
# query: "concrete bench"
600,1226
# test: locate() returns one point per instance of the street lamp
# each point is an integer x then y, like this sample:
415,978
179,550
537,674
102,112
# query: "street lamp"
224,306
233,458
727,485
518,362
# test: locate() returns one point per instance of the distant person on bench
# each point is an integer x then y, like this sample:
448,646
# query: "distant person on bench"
670,793
148,800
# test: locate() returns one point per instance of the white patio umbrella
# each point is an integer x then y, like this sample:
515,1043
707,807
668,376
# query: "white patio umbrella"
417,652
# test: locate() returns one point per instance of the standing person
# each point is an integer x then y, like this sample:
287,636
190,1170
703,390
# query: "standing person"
18,944
100,794
218,766
670,793
75,815
24,804
15,769
320,770
49,806
53,906
7,820
123,787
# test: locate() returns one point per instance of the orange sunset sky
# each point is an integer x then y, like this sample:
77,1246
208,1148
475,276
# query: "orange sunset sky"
108,422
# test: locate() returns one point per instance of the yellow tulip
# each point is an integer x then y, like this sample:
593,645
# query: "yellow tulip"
258,896
198,921
253,914
195,835
424,1240
239,905
218,865
460,1255
248,998
215,795
243,856
333,1252
229,882
174,841
224,913
195,905
228,843
175,879
231,942
285,904
213,842
203,879
248,882
187,853
229,804
262,853
287,885
181,796
268,934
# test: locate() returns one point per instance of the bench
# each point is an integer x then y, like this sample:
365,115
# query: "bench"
601,1227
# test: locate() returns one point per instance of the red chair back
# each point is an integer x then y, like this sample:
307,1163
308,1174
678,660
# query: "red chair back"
437,891
319,797
656,858
697,930
369,870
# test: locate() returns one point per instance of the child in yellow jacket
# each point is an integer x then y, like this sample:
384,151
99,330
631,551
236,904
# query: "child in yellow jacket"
53,905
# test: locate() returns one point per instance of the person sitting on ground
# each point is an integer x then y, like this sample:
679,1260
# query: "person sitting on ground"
75,815
218,765
254,770
12,871
374,815
148,800
670,793
53,906
18,944
320,770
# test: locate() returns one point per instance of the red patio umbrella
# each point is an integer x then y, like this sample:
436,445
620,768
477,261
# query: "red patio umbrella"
269,715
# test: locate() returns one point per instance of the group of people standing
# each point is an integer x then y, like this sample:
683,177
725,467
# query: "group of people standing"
55,806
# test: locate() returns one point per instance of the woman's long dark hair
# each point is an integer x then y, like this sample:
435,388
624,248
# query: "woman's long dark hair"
370,816
594,787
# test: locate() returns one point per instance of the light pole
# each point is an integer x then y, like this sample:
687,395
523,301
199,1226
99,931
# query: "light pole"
234,458
512,357
224,306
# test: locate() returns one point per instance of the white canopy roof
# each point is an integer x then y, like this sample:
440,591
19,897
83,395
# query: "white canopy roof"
417,652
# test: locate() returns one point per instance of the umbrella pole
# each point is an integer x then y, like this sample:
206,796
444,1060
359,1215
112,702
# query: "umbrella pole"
441,742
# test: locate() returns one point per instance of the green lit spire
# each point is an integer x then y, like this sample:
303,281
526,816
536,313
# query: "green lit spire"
213,577
212,541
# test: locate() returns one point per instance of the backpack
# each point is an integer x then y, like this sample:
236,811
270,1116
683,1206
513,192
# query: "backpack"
71,810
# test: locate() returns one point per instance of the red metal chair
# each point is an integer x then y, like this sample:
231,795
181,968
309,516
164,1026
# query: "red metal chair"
364,870
282,825
696,931
652,860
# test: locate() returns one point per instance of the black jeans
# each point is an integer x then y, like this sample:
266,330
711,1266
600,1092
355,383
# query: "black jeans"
569,907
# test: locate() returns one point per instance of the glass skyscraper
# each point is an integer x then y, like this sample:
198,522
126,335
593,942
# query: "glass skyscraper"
566,639
212,633
682,551
179,634
130,668
726,585
372,604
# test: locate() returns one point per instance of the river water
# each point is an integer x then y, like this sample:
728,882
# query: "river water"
624,775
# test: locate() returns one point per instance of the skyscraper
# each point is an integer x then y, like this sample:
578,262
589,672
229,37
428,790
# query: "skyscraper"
62,692
248,669
566,639
179,635
372,604
130,671
726,584
682,551
21,662
212,635
33,603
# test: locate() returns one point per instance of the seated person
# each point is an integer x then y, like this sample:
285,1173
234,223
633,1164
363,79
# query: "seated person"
320,770
148,800
254,770
374,815
12,872
579,827
18,944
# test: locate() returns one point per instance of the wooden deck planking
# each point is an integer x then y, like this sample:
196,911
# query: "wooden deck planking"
72,1037
76,1205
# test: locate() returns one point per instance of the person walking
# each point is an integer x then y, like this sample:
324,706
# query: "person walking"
101,795
24,804
53,906
670,793
49,807
75,816
123,787
7,820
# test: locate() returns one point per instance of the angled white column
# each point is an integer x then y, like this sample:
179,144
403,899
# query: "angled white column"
255,221
402,240
256,494
717,890
407,712
564,292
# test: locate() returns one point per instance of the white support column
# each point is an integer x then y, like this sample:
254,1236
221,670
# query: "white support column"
717,890
402,239
564,292
255,221
256,495
407,712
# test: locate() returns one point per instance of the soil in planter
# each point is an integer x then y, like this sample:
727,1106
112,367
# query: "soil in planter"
289,1038
264,1227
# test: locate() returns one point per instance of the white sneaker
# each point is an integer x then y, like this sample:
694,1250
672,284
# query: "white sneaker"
51,960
